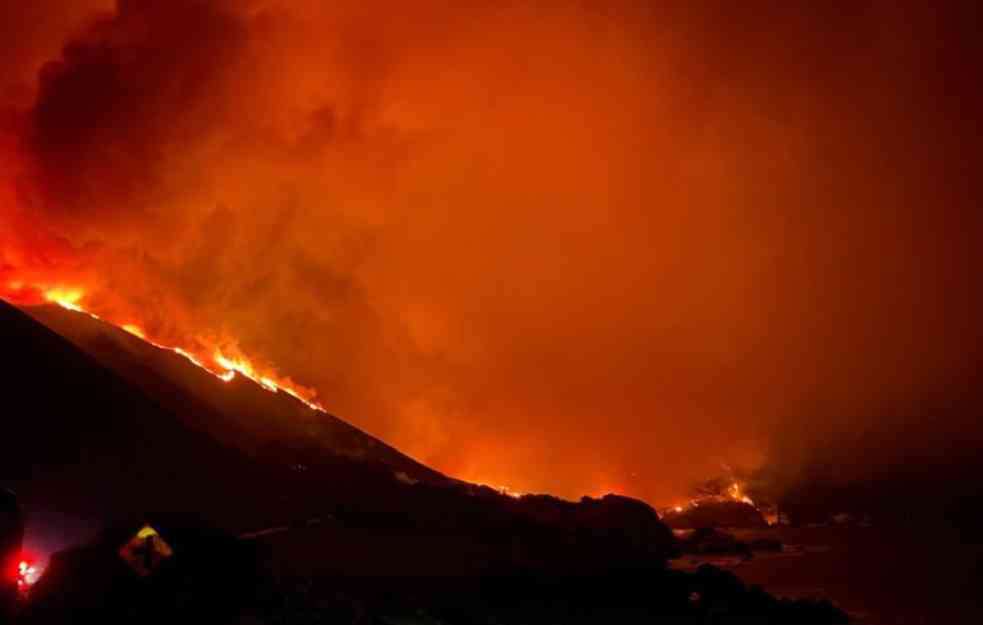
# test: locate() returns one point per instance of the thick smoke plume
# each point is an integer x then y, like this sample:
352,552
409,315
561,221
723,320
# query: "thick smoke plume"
573,247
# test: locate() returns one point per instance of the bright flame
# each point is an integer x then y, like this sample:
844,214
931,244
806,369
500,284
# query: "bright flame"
734,493
737,495
217,363
66,298
135,331
244,367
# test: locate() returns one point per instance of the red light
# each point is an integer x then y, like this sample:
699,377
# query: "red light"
26,574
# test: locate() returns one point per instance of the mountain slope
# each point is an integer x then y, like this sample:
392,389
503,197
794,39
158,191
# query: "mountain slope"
172,438
81,446
346,534
274,426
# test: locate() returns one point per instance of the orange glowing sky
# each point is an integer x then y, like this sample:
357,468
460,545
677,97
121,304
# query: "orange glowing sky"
574,247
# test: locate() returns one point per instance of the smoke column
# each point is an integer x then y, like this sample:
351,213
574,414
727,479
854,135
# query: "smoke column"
572,247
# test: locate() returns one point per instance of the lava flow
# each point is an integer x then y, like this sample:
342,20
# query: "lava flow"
219,362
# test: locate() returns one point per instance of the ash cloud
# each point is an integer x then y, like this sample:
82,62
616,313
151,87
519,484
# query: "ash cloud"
560,248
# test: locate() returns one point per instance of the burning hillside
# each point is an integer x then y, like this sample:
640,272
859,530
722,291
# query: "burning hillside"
734,493
224,362
720,502
567,247
220,358
345,530
233,409
276,460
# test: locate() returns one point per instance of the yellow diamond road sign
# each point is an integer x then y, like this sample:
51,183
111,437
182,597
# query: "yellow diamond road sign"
146,551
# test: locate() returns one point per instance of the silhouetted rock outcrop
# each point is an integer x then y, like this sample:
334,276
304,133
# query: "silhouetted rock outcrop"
628,521
716,514
726,599
711,541
209,577
213,578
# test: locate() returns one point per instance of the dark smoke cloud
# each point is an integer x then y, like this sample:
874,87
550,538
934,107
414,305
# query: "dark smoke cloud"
136,87
563,247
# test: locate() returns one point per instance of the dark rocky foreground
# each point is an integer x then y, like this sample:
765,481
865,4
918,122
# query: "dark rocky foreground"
881,575
275,514
215,578
711,514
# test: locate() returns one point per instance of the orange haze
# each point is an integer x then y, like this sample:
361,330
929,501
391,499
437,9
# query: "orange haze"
570,247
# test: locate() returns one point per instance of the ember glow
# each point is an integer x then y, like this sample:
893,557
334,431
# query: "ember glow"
508,492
